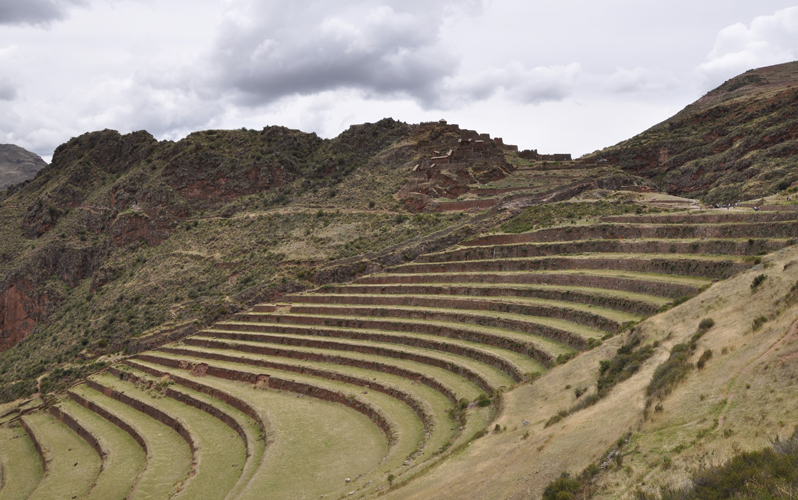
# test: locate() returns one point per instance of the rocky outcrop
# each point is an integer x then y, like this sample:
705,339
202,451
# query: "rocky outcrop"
22,306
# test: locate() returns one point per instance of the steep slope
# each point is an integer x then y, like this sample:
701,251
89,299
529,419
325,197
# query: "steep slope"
738,142
17,165
123,242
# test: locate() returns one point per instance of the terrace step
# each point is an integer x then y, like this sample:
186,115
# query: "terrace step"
21,464
777,229
591,316
247,423
216,447
330,440
646,283
288,368
122,457
448,383
484,375
706,266
168,455
645,246
71,465
628,302
399,421
541,347
704,217
429,403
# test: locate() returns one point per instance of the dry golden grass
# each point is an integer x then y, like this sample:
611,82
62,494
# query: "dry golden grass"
751,387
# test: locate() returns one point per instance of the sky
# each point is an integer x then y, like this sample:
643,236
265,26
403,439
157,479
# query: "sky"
571,76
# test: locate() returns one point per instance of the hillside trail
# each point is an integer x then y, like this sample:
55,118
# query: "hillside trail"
792,331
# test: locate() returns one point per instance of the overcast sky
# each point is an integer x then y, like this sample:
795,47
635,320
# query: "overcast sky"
566,76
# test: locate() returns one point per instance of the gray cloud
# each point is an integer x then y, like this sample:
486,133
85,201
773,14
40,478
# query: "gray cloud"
269,50
8,92
34,11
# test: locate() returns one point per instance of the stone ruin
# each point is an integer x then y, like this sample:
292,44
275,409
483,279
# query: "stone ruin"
532,154
453,158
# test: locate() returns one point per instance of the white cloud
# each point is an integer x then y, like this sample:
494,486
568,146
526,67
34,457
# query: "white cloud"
516,83
639,79
768,40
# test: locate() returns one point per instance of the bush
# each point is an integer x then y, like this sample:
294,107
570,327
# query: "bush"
706,324
562,488
758,281
758,322
705,356
769,473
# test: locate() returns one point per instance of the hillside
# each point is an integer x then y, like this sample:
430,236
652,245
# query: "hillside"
738,142
17,165
403,311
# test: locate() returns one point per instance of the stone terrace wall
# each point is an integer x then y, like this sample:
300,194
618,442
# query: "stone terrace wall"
413,403
138,438
189,401
231,400
275,331
651,287
340,346
79,430
264,380
329,358
681,267
583,297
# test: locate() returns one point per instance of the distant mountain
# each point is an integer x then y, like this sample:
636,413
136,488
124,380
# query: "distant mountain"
739,141
17,165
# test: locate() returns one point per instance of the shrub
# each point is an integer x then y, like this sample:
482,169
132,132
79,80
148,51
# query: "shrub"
705,356
562,488
758,322
758,281
706,324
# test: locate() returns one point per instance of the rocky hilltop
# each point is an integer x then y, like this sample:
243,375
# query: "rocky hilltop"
17,165
737,142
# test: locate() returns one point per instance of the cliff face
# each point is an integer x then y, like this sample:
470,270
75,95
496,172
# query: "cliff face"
739,141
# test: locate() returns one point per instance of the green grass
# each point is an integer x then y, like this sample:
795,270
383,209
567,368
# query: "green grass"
599,292
256,439
697,281
219,447
461,386
556,213
313,444
72,464
618,316
494,376
21,465
123,460
435,404
168,458
523,362
544,343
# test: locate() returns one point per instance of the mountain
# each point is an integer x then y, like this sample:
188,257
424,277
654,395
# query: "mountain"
17,165
738,142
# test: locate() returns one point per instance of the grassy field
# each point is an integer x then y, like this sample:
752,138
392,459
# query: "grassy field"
123,460
20,462
72,465
168,455
313,446
220,454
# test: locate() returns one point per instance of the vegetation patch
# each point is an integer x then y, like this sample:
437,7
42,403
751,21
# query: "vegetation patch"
668,375
552,214
771,473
